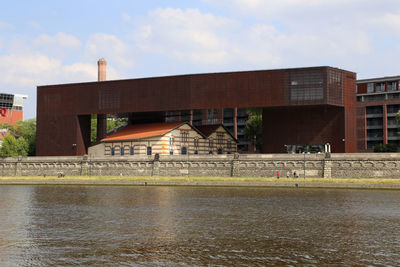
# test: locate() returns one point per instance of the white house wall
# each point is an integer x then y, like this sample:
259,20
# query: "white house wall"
163,145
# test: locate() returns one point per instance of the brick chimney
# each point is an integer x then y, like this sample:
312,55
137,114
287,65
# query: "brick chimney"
101,118
102,64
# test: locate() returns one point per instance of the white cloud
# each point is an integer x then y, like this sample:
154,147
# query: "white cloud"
34,25
5,26
196,38
28,71
59,40
110,47
389,21
185,35
126,17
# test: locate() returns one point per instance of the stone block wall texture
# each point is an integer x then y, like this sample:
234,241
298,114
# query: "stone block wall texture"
243,165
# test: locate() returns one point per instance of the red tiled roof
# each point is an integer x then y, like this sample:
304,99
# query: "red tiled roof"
139,131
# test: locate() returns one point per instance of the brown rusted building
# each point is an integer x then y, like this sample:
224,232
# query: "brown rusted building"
300,106
378,101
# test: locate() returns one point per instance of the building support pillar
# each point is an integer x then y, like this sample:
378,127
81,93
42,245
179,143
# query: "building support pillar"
101,126
235,133
385,128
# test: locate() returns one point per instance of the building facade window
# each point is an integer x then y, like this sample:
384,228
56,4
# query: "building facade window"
132,150
392,86
171,152
380,87
112,151
149,150
228,144
184,136
220,151
196,142
171,140
220,138
210,143
122,151
370,87
184,150
196,152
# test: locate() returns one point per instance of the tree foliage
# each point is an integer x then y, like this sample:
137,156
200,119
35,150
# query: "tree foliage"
254,127
27,130
12,147
381,148
111,124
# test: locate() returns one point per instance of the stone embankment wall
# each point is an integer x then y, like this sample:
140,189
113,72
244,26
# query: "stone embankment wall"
259,165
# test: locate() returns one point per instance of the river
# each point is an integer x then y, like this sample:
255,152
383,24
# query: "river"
196,226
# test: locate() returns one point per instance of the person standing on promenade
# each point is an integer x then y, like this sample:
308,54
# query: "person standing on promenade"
278,175
288,174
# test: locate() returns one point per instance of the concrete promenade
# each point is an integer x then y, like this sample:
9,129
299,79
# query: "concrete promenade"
208,181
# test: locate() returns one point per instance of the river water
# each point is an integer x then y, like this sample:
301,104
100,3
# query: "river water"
197,226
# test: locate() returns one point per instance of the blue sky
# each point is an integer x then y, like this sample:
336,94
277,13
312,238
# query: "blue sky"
52,42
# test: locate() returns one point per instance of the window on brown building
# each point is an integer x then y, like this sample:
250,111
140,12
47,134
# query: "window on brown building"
370,87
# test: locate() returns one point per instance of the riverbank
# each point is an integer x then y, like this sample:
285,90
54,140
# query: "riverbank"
205,181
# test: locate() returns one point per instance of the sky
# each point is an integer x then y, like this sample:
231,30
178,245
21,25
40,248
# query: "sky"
52,42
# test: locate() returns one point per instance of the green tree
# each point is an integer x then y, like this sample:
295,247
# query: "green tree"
111,124
12,147
254,127
7,126
27,130
382,148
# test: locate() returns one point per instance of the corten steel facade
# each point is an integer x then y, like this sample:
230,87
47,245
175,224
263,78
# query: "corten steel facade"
300,106
378,102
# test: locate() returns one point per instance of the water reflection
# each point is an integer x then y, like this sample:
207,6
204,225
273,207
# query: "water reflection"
147,226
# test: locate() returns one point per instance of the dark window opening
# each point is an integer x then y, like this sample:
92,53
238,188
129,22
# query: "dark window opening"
184,151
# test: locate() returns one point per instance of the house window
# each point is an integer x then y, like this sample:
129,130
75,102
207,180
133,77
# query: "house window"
392,86
370,87
220,138
184,136
196,152
219,150
380,87
122,151
171,140
171,152
112,151
210,143
184,150
149,150
132,150
196,142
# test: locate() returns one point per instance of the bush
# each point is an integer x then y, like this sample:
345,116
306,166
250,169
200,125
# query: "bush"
381,148
12,147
